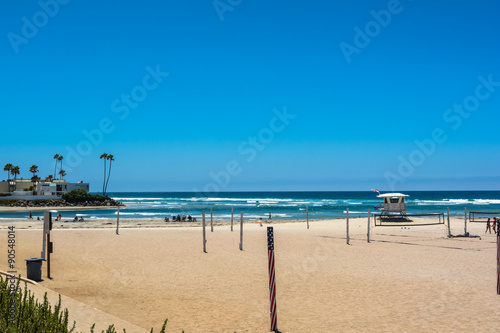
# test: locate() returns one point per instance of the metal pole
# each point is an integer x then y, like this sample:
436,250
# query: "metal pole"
465,221
204,233
211,220
241,231
368,232
307,214
232,215
272,280
118,220
448,217
347,225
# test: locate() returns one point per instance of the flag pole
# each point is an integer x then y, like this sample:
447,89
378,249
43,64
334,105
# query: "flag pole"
272,280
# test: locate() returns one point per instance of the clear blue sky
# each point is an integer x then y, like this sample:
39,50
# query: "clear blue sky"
355,102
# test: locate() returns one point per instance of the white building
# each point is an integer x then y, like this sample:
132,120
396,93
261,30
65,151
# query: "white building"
59,188
20,189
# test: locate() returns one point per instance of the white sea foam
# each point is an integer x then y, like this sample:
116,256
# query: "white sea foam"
486,201
135,199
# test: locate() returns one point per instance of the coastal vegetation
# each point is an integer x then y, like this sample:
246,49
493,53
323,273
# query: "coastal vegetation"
106,157
80,195
35,179
75,198
15,171
7,168
20,311
59,159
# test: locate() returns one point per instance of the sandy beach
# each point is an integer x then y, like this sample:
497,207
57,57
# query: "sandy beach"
407,279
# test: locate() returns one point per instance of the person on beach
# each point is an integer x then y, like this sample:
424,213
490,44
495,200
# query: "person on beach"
166,219
190,218
494,225
488,226
31,216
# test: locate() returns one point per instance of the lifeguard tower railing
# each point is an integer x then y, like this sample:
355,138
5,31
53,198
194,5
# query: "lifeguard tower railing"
408,220
482,216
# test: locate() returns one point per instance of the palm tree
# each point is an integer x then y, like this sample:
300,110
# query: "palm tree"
49,177
7,168
56,157
111,158
62,173
34,179
14,171
105,157
60,159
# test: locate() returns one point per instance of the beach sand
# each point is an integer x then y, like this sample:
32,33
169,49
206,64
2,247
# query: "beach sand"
406,280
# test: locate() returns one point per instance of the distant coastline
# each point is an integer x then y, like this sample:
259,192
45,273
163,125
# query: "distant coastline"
50,208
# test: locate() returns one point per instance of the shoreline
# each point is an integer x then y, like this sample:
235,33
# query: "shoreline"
134,223
56,208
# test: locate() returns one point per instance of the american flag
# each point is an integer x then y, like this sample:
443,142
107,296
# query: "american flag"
272,280
375,190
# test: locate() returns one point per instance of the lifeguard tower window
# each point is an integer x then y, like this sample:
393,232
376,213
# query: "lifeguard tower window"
394,200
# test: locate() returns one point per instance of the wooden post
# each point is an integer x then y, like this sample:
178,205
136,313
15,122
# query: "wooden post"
232,215
347,225
307,216
46,217
211,220
118,220
47,226
204,232
465,221
368,232
448,215
241,231
48,256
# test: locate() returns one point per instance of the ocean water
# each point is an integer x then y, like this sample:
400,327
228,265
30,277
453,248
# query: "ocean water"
281,205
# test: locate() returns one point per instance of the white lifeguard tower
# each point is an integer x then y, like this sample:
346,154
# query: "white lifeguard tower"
394,203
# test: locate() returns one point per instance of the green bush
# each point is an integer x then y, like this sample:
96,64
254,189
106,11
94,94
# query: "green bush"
20,312
5,194
81,195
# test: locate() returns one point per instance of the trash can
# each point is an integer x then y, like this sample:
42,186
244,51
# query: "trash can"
34,268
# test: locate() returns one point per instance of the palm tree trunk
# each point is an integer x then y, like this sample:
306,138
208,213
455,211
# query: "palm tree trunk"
109,174
104,181
55,171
